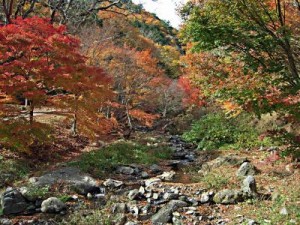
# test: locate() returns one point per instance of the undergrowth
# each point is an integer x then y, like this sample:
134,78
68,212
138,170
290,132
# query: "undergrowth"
216,131
120,153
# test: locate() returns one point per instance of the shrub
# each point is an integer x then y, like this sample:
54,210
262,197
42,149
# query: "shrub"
216,131
211,132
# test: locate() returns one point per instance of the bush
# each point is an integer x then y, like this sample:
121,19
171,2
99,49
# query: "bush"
211,132
215,131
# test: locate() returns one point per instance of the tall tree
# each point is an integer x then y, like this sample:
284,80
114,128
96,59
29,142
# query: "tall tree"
38,61
261,36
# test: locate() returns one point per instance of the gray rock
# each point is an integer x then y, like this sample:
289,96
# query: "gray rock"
155,168
233,160
134,194
228,197
131,223
152,181
177,221
142,190
252,222
125,170
192,201
170,196
73,177
164,215
89,196
119,208
13,202
155,196
205,198
167,176
283,211
112,183
5,222
144,175
134,210
53,205
246,169
249,187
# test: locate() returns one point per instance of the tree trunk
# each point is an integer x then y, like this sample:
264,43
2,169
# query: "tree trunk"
128,117
74,124
31,109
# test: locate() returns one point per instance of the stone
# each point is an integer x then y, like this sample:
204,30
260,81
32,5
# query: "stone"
134,194
125,170
144,175
233,160
131,223
177,221
155,196
167,176
112,183
13,202
249,187
246,169
164,215
134,210
152,181
252,222
5,222
170,196
89,196
119,208
142,190
227,196
205,197
53,205
82,183
155,168
283,211
192,201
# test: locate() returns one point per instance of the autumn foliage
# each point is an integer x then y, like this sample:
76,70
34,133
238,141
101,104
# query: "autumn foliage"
41,63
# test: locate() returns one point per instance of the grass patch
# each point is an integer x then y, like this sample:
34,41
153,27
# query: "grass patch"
11,170
120,153
94,217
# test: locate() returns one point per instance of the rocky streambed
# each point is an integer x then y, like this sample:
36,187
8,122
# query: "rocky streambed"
133,194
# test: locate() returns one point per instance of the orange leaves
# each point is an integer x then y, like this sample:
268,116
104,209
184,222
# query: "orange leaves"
146,118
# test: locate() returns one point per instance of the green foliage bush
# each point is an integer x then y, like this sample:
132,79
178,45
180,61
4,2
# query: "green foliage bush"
120,153
216,131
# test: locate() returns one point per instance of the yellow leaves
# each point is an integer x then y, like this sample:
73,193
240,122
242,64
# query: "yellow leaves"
231,108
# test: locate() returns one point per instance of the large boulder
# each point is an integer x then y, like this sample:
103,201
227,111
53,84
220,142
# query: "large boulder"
167,176
233,160
152,181
228,196
73,177
246,169
127,170
248,187
164,215
13,202
53,205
